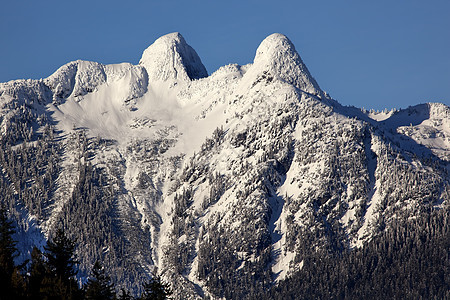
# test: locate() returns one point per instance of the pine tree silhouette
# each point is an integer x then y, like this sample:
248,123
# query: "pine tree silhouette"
99,286
156,289
60,254
11,281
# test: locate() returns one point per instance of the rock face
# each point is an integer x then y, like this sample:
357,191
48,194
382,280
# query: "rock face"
223,184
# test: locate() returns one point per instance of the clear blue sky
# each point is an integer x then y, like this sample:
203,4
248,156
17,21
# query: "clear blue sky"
372,54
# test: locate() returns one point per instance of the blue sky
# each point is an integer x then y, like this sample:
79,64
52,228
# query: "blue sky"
372,54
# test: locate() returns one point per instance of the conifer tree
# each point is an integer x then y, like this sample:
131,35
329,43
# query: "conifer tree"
10,278
39,273
99,286
60,255
156,289
61,261
7,244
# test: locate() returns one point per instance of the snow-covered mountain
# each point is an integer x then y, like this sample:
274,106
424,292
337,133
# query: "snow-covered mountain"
222,184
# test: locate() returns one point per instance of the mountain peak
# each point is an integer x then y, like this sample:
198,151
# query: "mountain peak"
277,54
171,58
274,45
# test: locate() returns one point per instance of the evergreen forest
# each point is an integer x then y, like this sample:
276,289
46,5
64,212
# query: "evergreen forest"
410,260
51,274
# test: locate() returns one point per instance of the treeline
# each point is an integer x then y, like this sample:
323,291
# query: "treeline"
410,260
52,274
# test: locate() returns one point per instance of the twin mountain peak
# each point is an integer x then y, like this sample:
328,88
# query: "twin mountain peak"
171,59
223,196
